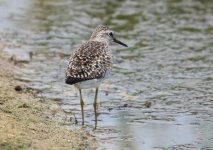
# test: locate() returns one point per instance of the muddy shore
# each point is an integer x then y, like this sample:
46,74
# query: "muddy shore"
27,122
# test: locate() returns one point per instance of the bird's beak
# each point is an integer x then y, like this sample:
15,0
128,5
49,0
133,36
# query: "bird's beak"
119,42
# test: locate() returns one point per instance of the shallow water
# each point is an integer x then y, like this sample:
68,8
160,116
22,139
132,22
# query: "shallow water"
169,62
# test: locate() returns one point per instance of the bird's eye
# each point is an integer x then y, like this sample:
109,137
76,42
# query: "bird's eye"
110,34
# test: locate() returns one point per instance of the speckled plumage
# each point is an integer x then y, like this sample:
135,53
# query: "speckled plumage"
91,63
92,60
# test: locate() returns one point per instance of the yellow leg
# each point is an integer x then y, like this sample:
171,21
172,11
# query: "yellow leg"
95,107
82,106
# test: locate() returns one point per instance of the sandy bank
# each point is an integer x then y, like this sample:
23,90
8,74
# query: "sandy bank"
24,123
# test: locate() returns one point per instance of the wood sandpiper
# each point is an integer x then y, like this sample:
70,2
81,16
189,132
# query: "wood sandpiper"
91,63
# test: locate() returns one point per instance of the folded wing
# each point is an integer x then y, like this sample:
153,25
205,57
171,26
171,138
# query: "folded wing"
90,61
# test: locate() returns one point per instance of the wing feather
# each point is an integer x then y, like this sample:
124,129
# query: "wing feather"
91,61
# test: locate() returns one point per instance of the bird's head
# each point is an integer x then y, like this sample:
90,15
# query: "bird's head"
104,34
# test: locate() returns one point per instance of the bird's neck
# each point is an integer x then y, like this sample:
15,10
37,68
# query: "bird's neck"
102,40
